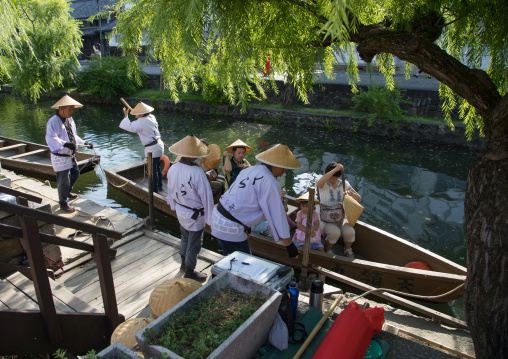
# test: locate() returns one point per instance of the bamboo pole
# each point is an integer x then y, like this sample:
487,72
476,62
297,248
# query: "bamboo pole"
317,327
125,103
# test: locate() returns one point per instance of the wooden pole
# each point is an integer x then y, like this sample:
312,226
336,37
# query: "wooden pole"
308,233
317,327
125,103
151,222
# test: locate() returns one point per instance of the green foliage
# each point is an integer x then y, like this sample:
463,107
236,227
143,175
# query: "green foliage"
46,55
109,77
381,103
194,334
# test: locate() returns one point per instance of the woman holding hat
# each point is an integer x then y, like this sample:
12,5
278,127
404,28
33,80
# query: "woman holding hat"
63,140
233,165
190,195
331,194
147,128
252,198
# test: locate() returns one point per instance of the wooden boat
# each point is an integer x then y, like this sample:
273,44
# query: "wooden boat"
35,160
381,256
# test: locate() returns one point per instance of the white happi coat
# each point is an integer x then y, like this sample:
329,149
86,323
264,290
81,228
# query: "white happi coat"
56,137
188,186
253,197
147,129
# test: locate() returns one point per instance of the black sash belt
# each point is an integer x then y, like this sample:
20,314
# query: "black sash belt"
197,212
229,216
152,143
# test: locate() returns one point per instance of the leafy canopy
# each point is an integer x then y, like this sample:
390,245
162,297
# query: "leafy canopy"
42,41
229,40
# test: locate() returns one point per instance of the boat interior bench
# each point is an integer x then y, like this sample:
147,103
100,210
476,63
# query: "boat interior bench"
19,146
29,153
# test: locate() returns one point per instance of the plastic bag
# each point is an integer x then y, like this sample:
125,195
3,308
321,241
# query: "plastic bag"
278,336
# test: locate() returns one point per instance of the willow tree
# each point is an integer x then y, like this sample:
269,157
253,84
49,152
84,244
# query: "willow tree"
228,41
39,42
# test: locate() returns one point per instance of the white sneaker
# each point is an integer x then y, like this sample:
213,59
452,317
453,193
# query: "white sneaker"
349,253
330,252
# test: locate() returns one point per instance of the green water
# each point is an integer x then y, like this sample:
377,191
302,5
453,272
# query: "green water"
412,190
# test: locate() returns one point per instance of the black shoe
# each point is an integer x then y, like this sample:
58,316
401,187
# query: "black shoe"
160,189
182,266
72,196
191,274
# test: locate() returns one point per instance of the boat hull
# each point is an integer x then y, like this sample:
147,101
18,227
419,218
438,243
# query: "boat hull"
383,254
34,160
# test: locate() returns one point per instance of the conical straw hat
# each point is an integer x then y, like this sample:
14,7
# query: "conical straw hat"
279,156
141,108
190,146
125,332
239,143
352,209
305,197
213,160
169,293
67,101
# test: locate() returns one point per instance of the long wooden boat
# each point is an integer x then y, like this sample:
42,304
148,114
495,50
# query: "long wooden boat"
35,160
381,256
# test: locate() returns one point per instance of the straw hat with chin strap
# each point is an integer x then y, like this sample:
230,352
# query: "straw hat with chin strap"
239,143
279,156
66,101
190,146
305,198
141,109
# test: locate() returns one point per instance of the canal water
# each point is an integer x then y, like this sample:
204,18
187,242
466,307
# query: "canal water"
410,189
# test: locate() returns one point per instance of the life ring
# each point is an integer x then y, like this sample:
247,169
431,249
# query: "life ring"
165,165
418,265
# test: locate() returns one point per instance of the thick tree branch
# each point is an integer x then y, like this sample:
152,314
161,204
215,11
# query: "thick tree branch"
475,86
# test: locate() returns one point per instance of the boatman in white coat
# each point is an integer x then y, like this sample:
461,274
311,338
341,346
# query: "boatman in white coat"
147,128
63,140
190,195
252,198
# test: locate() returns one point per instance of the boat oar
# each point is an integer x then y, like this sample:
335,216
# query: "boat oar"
130,109
317,327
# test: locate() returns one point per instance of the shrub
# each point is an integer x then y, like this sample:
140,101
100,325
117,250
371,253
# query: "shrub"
110,78
381,103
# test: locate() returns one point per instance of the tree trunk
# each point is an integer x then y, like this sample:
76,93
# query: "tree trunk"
486,293
289,95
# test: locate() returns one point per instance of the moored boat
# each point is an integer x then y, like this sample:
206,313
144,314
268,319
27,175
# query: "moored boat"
381,256
35,160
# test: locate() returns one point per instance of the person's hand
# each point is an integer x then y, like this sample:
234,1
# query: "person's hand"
339,167
125,112
89,145
71,146
225,154
283,193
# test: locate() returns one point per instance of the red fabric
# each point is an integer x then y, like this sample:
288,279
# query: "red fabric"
350,334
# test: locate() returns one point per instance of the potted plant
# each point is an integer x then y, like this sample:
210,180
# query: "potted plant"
242,343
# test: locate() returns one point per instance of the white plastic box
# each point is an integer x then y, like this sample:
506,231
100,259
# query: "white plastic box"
258,269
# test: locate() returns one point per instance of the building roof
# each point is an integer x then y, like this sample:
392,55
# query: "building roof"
87,31
83,9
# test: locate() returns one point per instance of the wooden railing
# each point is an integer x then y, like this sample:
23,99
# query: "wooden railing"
46,330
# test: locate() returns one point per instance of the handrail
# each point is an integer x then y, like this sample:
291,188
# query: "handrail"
61,221
55,326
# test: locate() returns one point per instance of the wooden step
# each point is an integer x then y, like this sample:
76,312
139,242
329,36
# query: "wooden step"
64,300
10,298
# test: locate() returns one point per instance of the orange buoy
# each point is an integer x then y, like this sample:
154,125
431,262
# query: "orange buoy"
418,265
165,165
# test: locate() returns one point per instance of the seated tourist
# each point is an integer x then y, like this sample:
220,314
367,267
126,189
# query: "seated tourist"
210,165
301,225
233,165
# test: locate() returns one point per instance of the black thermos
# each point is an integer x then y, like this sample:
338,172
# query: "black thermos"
316,294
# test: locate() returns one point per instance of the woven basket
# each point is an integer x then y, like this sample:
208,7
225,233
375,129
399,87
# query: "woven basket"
125,332
168,294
